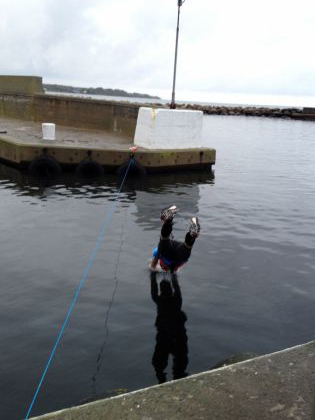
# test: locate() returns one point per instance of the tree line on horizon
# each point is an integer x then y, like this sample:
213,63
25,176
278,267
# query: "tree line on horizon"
96,91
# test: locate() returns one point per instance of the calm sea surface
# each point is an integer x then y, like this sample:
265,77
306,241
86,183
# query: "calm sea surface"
248,287
212,98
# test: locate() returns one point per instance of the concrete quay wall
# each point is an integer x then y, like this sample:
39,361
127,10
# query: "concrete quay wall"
113,116
277,386
28,85
69,111
22,97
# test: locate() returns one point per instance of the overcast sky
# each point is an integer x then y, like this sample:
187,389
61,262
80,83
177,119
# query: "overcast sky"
225,46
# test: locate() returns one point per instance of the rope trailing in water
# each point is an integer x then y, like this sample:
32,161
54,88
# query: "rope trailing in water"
100,356
91,260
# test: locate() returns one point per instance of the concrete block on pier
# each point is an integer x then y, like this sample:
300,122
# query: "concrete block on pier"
168,129
29,85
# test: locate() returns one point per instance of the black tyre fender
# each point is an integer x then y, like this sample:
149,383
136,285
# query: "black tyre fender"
89,167
135,169
44,165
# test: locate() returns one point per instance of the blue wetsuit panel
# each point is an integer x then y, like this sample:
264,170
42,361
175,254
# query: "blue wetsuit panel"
155,253
169,263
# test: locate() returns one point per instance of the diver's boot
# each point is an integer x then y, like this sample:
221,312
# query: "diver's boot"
194,228
169,213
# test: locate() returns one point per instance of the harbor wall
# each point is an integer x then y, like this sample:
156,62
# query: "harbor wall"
114,116
28,85
23,97
74,112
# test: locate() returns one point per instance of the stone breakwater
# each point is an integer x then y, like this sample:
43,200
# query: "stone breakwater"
246,111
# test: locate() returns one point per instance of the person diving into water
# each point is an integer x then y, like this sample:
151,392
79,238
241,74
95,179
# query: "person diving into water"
169,253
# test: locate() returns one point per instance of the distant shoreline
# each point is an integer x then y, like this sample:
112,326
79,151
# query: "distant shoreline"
96,91
305,113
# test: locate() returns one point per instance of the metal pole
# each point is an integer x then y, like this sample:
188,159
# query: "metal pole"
173,105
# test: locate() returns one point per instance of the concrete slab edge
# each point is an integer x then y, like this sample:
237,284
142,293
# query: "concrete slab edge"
66,414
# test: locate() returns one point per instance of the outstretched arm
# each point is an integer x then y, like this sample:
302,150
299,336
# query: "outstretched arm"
153,263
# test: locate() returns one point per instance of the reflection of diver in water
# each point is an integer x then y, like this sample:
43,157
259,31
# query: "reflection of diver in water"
171,337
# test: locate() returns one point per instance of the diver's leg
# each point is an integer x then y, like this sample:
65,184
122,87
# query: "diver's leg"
165,244
183,250
193,232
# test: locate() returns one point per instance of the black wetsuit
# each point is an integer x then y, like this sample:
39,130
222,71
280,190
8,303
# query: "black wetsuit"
173,254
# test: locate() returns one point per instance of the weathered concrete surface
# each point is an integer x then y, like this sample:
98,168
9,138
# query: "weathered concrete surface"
118,117
21,142
276,386
29,85
30,133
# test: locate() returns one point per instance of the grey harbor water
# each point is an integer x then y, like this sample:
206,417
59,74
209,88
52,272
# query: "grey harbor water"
247,288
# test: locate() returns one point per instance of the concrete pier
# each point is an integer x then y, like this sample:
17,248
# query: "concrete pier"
277,386
91,134
21,142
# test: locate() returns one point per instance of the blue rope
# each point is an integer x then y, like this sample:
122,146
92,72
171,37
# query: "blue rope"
82,281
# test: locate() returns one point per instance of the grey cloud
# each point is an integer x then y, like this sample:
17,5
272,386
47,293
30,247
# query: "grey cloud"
118,43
